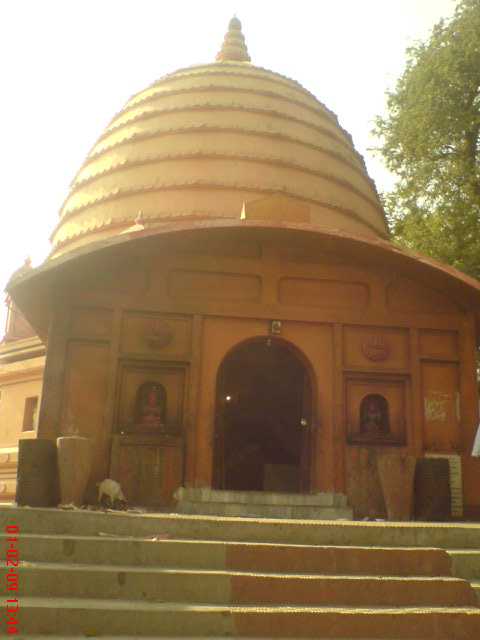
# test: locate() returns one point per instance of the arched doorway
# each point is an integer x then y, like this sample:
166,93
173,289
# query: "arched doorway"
263,419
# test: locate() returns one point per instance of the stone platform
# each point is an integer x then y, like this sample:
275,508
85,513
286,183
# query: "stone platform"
263,504
94,574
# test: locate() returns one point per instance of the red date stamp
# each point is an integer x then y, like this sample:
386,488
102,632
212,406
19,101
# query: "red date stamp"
12,561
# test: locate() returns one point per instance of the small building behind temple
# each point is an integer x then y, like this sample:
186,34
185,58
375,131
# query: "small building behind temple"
222,307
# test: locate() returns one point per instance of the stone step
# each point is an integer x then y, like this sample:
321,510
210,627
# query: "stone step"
263,504
476,590
64,637
96,617
84,522
223,587
465,563
262,557
242,510
262,497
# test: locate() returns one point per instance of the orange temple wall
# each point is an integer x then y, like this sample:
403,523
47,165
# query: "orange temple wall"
360,328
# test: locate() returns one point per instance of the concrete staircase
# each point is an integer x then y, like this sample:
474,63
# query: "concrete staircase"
92,574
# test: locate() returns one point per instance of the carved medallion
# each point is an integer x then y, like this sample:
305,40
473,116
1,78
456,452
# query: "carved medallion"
376,349
159,336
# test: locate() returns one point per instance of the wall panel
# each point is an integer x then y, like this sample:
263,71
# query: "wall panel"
441,401
84,401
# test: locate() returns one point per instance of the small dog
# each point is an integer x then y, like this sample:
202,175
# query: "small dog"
112,490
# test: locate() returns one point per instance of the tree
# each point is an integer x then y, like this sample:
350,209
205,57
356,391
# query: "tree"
430,139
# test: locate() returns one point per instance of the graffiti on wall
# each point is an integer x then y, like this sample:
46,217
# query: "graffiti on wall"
436,406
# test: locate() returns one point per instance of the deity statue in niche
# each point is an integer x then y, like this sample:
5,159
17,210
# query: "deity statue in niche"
150,407
374,419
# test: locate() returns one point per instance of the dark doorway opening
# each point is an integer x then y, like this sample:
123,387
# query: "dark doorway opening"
263,423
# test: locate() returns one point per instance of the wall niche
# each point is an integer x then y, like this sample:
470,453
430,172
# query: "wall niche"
376,410
151,398
147,445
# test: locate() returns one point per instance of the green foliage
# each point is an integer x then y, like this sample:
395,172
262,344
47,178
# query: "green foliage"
430,139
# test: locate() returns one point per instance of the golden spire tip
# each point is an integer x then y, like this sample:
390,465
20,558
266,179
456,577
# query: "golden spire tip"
233,47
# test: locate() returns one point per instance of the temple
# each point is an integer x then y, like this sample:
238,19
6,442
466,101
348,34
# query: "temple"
222,309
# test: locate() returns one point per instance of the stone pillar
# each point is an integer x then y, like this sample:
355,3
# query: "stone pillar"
397,474
53,378
37,475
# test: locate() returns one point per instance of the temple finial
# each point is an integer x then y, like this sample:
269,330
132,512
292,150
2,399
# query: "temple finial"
233,47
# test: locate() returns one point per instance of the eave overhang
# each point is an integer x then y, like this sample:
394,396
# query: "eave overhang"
34,291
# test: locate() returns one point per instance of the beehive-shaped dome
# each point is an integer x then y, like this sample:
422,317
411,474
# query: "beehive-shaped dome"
203,141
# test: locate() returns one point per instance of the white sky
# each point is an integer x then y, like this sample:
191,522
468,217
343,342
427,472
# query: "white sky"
67,66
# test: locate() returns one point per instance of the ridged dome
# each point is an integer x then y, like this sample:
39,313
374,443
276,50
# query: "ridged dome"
201,142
